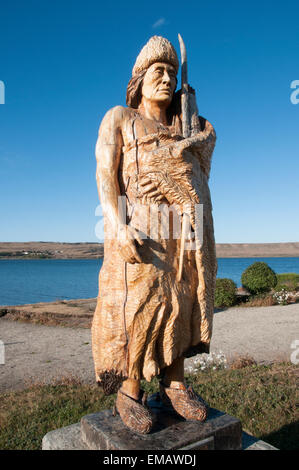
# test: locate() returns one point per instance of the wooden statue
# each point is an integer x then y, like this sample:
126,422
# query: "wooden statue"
156,297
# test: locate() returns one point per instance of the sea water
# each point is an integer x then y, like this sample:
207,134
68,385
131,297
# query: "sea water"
46,280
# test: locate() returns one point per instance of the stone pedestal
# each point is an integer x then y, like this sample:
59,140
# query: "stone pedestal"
103,431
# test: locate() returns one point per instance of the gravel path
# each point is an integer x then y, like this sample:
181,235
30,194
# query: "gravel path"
36,352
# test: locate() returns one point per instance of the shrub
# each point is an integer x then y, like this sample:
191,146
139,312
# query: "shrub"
279,287
262,300
282,297
258,278
211,361
225,293
288,281
240,362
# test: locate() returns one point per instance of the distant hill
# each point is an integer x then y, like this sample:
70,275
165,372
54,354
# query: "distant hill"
53,250
257,250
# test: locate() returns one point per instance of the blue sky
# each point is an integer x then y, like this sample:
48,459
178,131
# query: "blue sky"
65,63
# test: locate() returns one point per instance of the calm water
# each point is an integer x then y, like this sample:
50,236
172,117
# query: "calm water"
30,281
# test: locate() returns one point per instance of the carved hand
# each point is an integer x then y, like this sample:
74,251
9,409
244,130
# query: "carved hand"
128,236
150,190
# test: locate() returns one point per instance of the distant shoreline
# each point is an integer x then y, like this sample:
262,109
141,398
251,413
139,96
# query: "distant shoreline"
53,250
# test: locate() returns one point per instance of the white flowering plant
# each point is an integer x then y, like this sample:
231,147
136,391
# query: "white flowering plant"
204,362
282,296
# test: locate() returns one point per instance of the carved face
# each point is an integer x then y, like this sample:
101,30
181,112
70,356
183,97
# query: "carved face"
159,83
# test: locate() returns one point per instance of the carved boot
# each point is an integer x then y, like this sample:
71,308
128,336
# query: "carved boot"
185,402
135,414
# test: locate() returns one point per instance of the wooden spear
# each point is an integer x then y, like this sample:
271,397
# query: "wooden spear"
186,115
186,125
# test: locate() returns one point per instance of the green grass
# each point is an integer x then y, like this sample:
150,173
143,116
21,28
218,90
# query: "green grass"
263,397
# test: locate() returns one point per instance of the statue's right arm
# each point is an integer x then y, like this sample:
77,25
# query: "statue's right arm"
108,153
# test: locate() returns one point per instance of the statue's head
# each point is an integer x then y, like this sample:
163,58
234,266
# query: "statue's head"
154,73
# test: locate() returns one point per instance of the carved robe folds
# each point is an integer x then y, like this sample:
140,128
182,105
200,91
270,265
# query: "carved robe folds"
145,318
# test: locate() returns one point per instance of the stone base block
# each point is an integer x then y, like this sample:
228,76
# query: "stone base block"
68,438
103,431
106,432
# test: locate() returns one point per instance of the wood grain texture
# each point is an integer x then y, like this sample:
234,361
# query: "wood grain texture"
144,318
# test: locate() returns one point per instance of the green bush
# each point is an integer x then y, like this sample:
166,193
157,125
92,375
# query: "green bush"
225,293
259,278
280,287
289,281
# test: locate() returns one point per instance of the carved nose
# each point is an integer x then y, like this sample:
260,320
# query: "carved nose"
166,78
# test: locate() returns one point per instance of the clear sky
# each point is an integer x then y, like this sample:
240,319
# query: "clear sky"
65,63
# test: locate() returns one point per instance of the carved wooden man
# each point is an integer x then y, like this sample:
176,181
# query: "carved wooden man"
148,320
